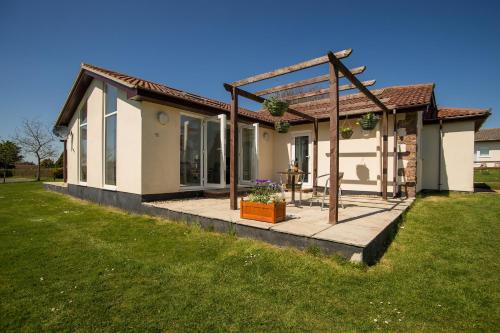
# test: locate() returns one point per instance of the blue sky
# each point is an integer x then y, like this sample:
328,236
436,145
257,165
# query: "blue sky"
196,46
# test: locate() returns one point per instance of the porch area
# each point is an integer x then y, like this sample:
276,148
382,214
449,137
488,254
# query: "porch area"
365,227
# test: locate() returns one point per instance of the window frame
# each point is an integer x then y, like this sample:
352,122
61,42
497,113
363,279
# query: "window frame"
80,125
105,116
484,155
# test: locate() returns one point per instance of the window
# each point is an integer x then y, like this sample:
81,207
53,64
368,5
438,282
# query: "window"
484,152
110,113
83,144
190,144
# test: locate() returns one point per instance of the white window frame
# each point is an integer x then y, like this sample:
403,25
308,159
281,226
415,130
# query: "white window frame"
307,133
255,160
479,155
202,154
80,125
104,185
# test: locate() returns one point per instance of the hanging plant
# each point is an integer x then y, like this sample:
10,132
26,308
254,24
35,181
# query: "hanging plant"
275,106
282,126
346,132
368,121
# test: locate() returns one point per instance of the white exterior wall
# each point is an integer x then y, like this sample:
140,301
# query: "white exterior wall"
128,141
457,158
493,160
360,156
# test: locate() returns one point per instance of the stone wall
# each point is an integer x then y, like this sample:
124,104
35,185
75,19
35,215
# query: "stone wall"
408,138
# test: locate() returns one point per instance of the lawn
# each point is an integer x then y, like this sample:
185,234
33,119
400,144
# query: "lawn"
491,177
67,265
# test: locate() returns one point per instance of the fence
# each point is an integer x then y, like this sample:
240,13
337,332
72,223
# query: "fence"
30,172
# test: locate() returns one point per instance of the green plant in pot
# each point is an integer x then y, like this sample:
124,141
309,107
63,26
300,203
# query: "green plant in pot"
275,106
368,121
346,132
282,126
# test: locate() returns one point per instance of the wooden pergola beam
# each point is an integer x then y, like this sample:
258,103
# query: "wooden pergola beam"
290,69
260,99
323,91
306,82
354,80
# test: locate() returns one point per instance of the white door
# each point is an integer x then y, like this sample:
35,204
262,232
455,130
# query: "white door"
215,151
302,153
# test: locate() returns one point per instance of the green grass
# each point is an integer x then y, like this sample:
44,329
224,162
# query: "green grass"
491,177
66,265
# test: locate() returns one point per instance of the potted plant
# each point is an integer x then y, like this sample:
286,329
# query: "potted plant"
282,126
265,203
346,132
368,121
275,106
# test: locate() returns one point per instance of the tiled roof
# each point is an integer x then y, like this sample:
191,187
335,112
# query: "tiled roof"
400,97
453,113
393,97
135,82
488,134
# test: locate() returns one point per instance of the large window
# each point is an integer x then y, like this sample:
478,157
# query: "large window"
83,144
190,143
110,113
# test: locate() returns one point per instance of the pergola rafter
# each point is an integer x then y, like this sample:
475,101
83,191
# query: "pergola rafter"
336,70
324,91
306,82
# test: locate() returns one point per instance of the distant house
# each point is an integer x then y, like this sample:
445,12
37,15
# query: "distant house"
130,139
487,147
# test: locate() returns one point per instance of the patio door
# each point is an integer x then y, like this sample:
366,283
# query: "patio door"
215,143
248,153
301,153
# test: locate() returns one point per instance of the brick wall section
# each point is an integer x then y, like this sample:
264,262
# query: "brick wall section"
410,155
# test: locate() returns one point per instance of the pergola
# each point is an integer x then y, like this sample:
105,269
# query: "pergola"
336,70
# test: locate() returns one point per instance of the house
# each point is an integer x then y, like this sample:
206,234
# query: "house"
487,147
129,140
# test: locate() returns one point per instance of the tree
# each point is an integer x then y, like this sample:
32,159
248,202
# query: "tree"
10,153
47,163
37,139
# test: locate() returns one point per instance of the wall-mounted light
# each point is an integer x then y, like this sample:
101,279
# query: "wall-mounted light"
162,117
265,136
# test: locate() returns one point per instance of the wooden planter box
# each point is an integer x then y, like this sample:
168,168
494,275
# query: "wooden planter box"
272,213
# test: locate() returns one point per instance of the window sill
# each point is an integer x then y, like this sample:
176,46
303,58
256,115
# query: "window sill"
109,187
82,183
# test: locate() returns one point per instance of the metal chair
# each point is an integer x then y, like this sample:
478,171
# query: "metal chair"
341,175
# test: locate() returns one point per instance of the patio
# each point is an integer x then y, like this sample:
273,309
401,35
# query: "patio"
365,226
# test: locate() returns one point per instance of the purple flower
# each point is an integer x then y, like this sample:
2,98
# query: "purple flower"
261,181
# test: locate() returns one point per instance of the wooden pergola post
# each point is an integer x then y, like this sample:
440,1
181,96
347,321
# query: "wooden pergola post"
233,151
385,152
333,214
315,157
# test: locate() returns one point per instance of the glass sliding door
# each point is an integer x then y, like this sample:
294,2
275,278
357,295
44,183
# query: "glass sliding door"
248,152
191,151
213,153
301,154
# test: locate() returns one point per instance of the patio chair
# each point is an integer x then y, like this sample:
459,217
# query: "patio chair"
323,195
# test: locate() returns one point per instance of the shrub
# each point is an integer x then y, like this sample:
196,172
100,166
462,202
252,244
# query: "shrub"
58,173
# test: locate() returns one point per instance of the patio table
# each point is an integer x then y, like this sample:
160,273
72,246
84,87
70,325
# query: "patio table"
293,174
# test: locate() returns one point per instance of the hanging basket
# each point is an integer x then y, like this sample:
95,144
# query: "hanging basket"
275,106
368,121
282,126
346,132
